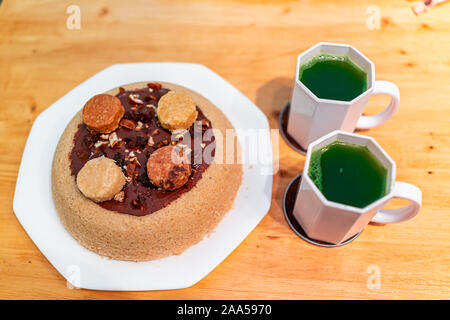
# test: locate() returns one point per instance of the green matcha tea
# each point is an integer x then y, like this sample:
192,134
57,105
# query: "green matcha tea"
348,174
333,77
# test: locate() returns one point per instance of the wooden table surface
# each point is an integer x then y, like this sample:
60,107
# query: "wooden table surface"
253,46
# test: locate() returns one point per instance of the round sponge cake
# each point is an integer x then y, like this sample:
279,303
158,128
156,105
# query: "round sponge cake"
170,230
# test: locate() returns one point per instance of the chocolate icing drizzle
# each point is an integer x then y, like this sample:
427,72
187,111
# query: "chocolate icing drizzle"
141,197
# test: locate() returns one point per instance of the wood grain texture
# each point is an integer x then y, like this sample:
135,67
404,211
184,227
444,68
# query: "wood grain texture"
254,46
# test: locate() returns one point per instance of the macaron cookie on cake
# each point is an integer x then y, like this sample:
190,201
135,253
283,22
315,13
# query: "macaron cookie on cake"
135,174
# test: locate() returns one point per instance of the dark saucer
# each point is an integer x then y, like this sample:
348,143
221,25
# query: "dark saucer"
288,207
282,124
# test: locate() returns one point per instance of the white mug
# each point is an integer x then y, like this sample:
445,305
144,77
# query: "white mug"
311,117
334,222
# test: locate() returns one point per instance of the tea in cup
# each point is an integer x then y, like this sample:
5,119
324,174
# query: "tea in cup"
346,181
332,86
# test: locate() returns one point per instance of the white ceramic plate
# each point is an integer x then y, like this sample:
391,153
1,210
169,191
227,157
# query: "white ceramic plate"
33,204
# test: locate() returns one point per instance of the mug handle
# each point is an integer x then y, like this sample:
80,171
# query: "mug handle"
405,191
381,87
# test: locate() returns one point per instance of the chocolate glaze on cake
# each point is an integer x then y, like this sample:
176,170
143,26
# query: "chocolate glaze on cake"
132,150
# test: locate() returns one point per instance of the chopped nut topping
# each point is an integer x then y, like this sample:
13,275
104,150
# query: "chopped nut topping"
139,126
135,161
128,124
154,85
151,142
155,132
120,196
151,106
100,143
104,136
113,139
135,98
